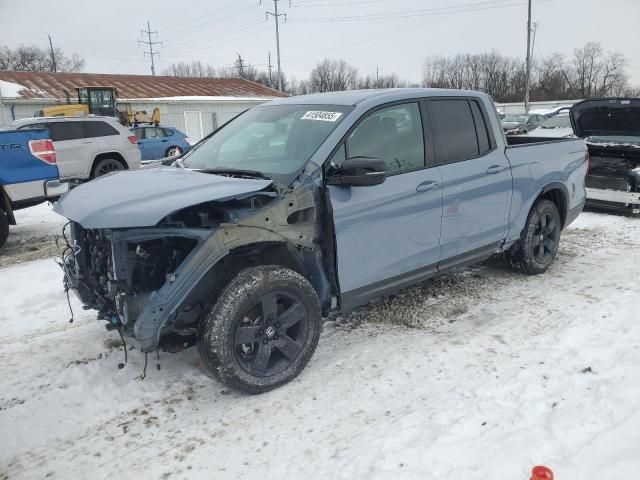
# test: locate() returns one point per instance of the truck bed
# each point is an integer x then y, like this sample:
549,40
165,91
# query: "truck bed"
521,140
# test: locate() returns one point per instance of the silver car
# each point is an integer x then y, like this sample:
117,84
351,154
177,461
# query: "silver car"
87,147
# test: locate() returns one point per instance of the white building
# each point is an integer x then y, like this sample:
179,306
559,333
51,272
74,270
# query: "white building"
195,106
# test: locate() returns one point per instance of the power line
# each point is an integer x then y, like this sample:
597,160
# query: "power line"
151,53
459,8
276,17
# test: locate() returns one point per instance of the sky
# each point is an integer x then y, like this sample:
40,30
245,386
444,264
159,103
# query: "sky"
394,36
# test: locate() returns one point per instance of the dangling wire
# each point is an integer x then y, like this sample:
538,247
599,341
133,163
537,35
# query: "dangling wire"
143,375
69,303
124,346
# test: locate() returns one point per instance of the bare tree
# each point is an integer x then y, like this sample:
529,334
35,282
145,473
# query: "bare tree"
333,75
590,72
35,59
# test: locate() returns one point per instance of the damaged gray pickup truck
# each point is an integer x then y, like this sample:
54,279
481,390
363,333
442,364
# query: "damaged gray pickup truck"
308,206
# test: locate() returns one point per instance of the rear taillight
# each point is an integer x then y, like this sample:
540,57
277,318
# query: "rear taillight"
133,139
43,149
586,162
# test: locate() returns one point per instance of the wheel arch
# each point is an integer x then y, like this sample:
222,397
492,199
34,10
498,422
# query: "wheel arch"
5,206
267,252
114,154
559,195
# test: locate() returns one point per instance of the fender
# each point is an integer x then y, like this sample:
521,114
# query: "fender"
291,220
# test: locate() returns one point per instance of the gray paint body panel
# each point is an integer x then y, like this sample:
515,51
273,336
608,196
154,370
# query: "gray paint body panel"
382,232
144,197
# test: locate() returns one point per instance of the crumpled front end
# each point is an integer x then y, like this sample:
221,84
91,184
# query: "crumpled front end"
154,281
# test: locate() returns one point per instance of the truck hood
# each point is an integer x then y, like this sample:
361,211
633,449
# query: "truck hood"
142,198
606,117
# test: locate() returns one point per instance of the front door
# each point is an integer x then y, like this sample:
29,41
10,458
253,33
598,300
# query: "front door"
389,231
476,179
193,125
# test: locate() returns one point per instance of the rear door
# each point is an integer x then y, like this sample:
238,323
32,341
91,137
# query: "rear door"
156,142
476,178
388,232
75,150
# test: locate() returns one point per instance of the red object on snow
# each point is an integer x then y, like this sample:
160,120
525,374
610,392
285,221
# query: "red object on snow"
541,473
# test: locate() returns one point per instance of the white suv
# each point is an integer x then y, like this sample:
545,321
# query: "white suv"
87,147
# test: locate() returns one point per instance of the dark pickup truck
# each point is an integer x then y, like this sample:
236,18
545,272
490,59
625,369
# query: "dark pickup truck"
611,128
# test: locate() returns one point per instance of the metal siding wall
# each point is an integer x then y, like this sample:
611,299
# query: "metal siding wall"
172,113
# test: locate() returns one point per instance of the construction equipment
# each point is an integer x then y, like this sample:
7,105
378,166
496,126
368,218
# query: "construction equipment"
100,100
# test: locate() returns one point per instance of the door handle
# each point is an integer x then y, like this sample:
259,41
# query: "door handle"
165,140
493,169
427,185
88,141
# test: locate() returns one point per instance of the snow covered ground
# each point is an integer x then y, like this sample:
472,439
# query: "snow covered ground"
34,223
480,374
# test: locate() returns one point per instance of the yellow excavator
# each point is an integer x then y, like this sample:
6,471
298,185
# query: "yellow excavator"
99,100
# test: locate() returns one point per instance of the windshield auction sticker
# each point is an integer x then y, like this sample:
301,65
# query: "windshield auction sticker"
322,116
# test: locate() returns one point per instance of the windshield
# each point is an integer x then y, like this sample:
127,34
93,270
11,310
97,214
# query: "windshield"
276,140
515,118
559,121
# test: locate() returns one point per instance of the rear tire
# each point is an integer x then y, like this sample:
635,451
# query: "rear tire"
540,238
4,227
262,330
105,166
173,152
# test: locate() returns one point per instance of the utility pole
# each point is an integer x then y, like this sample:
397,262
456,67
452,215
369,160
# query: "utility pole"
527,82
151,53
240,64
269,68
377,76
277,16
54,68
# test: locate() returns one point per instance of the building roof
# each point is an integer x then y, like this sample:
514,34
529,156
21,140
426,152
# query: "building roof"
46,85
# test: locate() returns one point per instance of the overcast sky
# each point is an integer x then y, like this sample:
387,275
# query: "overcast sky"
394,35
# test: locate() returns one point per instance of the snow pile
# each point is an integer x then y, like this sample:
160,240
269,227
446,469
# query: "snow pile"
10,89
35,223
500,372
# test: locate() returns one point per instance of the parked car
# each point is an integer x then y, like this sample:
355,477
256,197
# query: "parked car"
28,174
611,128
519,124
555,127
550,112
87,147
161,142
245,249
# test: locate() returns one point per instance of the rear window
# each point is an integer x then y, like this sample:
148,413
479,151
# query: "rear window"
61,131
455,130
33,126
99,129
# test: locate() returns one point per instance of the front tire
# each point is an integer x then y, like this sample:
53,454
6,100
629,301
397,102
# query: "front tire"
4,227
540,239
262,330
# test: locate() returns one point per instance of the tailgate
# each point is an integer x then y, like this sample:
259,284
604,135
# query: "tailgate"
17,163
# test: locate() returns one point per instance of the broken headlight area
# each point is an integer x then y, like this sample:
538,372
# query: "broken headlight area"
117,278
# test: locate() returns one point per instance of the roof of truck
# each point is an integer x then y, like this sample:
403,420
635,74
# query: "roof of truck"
353,97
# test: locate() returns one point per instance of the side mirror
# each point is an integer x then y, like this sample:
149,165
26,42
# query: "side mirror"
359,172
